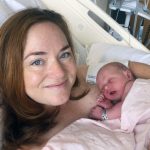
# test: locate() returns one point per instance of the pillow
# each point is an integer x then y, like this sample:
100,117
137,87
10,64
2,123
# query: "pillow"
7,7
102,53
80,51
4,12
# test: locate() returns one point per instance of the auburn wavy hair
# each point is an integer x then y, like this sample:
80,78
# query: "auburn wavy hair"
24,119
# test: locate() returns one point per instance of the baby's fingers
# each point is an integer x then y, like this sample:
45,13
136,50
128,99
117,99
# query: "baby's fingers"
100,98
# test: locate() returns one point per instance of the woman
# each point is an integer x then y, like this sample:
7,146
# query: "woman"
38,78
37,74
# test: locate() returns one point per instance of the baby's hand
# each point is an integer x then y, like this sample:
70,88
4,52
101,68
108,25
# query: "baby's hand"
100,98
96,113
103,102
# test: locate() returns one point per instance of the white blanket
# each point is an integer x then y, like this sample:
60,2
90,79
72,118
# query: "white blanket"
132,132
86,134
136,113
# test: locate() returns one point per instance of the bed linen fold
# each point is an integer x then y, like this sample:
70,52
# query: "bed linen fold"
136,113
87,134
131,132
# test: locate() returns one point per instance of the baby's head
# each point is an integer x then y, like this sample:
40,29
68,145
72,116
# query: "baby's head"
112,78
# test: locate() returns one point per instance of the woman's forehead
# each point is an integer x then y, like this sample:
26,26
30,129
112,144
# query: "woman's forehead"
45,27
45,36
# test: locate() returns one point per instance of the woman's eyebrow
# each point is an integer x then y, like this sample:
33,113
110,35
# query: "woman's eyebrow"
35,53
65,47
43,53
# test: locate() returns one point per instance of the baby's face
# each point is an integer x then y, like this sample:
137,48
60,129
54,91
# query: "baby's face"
111,82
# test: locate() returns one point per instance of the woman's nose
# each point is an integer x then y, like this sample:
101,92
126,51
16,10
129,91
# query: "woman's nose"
56,69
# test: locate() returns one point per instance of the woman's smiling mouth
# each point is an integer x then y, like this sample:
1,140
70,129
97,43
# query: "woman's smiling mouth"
55,85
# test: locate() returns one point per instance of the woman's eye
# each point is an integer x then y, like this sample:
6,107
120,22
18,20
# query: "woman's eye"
65,55
37,62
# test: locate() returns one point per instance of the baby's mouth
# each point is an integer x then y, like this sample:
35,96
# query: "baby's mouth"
112,92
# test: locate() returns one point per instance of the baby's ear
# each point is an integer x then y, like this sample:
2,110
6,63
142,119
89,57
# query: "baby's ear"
128,74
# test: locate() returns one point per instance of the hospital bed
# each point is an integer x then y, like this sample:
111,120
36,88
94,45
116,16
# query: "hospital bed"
93,44
87,30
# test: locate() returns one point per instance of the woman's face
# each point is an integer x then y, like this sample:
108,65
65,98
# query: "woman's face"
49,65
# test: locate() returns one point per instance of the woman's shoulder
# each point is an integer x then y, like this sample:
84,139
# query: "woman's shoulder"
82,86
82,71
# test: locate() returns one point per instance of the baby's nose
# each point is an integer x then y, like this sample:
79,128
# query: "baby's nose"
105,87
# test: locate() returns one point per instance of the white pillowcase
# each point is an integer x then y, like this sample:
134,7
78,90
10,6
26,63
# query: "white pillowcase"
80,51
102,53
8,8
